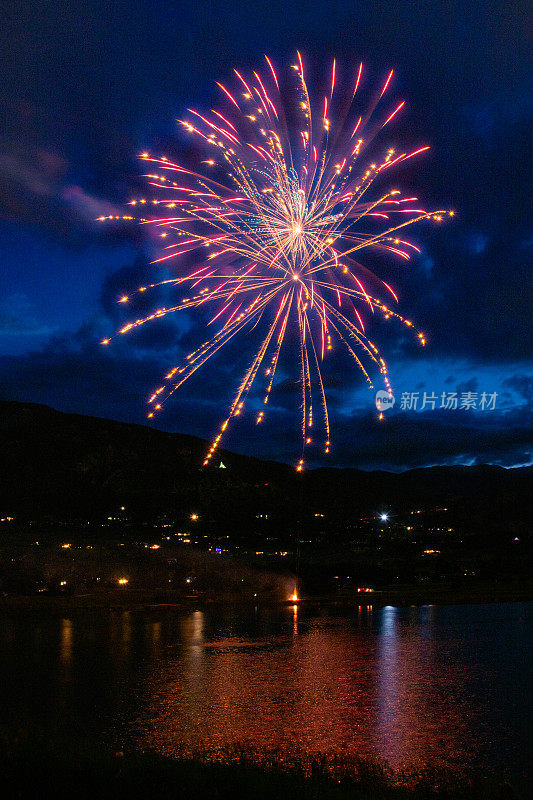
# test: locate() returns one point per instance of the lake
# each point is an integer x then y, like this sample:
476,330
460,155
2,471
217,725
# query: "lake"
449,686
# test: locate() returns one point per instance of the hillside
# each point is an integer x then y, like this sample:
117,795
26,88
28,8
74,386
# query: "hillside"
69,465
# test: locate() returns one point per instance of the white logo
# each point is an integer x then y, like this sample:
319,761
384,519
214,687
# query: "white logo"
384,400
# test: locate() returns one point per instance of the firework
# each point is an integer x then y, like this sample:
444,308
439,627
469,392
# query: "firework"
273,224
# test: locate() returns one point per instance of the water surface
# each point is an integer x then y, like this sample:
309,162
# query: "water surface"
442,685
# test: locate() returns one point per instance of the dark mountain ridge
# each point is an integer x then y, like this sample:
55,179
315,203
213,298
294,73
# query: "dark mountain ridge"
52,463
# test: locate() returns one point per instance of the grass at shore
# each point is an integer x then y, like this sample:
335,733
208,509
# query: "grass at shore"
132,776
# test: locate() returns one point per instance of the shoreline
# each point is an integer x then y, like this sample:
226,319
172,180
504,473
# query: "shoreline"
166,600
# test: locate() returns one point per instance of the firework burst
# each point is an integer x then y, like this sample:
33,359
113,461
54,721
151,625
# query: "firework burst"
274,225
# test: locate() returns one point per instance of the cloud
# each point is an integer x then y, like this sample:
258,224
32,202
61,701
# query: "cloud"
410,440
86,206
36,184
522,385
470,385
18,317
73,373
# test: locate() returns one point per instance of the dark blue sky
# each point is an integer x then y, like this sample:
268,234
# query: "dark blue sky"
86,86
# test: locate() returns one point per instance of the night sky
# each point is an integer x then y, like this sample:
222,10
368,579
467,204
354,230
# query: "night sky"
87,85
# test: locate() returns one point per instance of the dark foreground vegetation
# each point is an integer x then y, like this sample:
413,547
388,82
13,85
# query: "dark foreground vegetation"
237,775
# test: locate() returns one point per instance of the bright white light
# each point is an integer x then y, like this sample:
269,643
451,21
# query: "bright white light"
384,517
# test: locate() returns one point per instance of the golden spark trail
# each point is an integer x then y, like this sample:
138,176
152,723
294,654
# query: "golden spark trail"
269,228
